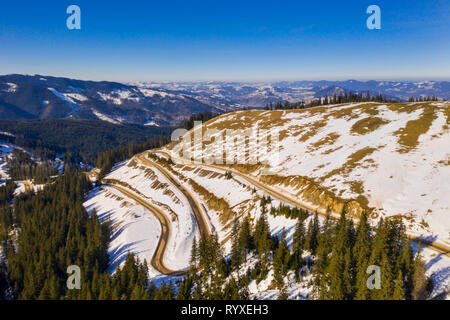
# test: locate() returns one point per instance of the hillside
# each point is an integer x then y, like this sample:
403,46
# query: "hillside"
388,159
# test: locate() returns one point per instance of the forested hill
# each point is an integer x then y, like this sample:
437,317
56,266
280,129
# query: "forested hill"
83,140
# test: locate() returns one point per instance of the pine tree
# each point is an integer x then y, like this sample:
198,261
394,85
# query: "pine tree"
236,252
420,280
399,291
194,254
338,272
387,280
298,243
283,294
406,266
281,260
231,290
313,234
361,254
185,288
245,238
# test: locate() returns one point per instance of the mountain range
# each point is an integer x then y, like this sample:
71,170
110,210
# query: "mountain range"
43,97
169,103
256,95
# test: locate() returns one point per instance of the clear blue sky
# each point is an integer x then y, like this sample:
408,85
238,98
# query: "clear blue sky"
227,40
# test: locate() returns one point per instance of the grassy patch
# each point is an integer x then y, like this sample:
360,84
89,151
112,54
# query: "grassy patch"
332,150
403,107
367,125
312,130
447,112
352,162
408,137
328,140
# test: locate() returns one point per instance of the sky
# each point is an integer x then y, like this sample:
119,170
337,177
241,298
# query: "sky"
167,40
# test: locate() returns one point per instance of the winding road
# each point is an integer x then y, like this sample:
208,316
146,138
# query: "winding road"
433,245
157,261
203,223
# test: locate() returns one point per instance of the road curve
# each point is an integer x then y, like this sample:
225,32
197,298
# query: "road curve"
433,245
157,261
202,222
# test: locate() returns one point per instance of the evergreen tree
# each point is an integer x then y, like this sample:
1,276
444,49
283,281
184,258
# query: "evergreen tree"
420,280
245,238
399,291
194,254
185,288
280,261
298,243
313,234
236,252
361,254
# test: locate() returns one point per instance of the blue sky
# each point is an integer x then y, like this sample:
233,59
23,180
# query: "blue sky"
227,40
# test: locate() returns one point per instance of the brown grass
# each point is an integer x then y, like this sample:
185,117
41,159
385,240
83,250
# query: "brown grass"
328,140
312,130
352,162
409,135
367,125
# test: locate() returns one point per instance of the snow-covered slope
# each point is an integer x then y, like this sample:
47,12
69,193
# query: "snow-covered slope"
389,159
136,229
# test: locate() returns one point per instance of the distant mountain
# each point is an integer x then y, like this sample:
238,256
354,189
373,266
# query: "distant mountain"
43,97
240,94
168,103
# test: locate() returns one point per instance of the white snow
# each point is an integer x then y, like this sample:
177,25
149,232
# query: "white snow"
117,96
151,123
76,96
135,229
69,98
151,93
12,87
151,186
105,117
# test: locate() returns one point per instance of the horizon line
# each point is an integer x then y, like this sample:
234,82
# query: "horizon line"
267,80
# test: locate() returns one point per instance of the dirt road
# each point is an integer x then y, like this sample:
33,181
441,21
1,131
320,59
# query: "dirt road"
157,261
200,216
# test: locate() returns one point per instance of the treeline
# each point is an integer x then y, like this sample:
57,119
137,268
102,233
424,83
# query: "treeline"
336,252
188,124
55,232
284,210
23,167
423,99
346,97
106,160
